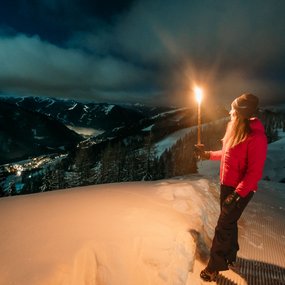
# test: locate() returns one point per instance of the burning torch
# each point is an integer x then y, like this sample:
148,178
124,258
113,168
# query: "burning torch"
199,147
199,94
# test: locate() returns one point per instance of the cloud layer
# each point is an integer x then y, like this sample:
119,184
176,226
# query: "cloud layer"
151,52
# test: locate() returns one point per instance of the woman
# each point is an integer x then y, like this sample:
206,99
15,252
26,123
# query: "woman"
242,160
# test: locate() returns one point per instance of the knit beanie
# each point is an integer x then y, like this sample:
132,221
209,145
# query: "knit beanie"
246,105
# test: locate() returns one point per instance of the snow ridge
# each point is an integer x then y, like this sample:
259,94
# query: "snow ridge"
125,233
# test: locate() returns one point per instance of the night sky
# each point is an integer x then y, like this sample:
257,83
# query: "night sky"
146,51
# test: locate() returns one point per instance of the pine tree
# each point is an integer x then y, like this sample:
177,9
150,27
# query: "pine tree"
149,156
106,165
46,181
13,190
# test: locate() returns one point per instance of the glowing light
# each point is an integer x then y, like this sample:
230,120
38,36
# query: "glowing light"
199,94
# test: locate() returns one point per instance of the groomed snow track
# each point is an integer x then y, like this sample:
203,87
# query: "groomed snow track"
256,273
262,242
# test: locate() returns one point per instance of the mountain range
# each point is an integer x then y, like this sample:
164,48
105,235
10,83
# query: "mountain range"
32,126
101,116
25,134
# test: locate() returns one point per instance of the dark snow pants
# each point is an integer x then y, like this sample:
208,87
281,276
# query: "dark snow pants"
225,243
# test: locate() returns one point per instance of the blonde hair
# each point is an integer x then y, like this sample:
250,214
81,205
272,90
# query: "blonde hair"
237,130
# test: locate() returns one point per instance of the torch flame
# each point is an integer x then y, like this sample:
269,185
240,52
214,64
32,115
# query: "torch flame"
199,94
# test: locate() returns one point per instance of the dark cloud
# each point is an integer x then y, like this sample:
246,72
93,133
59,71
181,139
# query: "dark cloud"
30,65
147,51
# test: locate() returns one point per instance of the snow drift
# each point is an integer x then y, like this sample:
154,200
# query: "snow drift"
128,233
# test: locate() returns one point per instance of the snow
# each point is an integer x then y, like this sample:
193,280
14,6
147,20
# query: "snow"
147,129
139,233
170,140
108,109
161,115
126,233
51,102
85,132
72,107
85,108
275,164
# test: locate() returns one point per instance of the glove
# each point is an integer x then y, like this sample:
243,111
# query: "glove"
201,153
230,202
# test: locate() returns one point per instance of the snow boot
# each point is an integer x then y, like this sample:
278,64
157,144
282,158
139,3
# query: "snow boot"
209,276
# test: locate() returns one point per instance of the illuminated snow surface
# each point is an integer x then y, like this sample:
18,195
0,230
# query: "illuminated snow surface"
141,233
126,233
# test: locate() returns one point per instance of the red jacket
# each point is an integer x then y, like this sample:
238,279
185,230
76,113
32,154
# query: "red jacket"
242,165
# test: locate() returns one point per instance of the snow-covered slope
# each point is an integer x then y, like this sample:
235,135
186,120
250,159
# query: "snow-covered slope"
170,140
144,233
154,233
132,233
275,163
